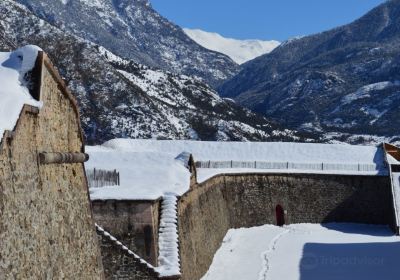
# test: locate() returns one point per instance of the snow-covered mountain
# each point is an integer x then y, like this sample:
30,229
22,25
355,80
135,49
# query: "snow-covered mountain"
120,98
240,51
343,82
132,29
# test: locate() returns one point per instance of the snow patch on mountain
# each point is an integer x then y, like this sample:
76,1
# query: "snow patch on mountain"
364,92
134,30
240,51
120,98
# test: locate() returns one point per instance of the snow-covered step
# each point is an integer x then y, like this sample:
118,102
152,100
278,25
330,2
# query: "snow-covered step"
168,260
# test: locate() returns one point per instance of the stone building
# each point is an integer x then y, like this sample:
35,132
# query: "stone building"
46,225
324,183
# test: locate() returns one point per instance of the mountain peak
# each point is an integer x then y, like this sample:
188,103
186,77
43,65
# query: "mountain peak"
240,51
120,98
305,82
132,29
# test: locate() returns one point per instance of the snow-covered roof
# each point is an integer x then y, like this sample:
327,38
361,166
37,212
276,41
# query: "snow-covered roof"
14,93
151,168
250,151
144,175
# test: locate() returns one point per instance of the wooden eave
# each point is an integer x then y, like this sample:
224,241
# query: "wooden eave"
392,150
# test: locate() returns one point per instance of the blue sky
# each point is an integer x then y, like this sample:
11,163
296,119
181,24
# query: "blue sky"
263,19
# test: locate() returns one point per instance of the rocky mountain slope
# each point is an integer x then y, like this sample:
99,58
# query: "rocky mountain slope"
240,51
120,98
132,29
343,81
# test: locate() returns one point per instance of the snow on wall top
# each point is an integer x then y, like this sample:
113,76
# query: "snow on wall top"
149,168
260,151
14,93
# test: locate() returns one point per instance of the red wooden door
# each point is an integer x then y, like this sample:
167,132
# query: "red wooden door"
280,215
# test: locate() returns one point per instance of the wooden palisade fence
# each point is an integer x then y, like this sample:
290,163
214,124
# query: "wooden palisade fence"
361,167
98,178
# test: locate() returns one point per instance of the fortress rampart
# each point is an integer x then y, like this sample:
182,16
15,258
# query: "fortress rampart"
268,183
209,209
46,225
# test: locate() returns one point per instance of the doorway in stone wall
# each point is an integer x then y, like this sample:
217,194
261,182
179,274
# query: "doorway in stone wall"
280,215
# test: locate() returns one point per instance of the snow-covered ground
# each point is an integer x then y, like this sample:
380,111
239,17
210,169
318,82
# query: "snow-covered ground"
308,252
239,50
14,93
151,168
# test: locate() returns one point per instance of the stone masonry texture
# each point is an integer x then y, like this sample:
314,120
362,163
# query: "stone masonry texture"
134,223
209,209
46,225
119,265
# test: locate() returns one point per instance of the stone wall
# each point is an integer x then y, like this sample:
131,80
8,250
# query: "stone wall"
203,220
208,210
120,265
135,223
46,226
308,198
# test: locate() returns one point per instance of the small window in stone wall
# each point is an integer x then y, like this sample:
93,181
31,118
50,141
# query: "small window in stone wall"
148,236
